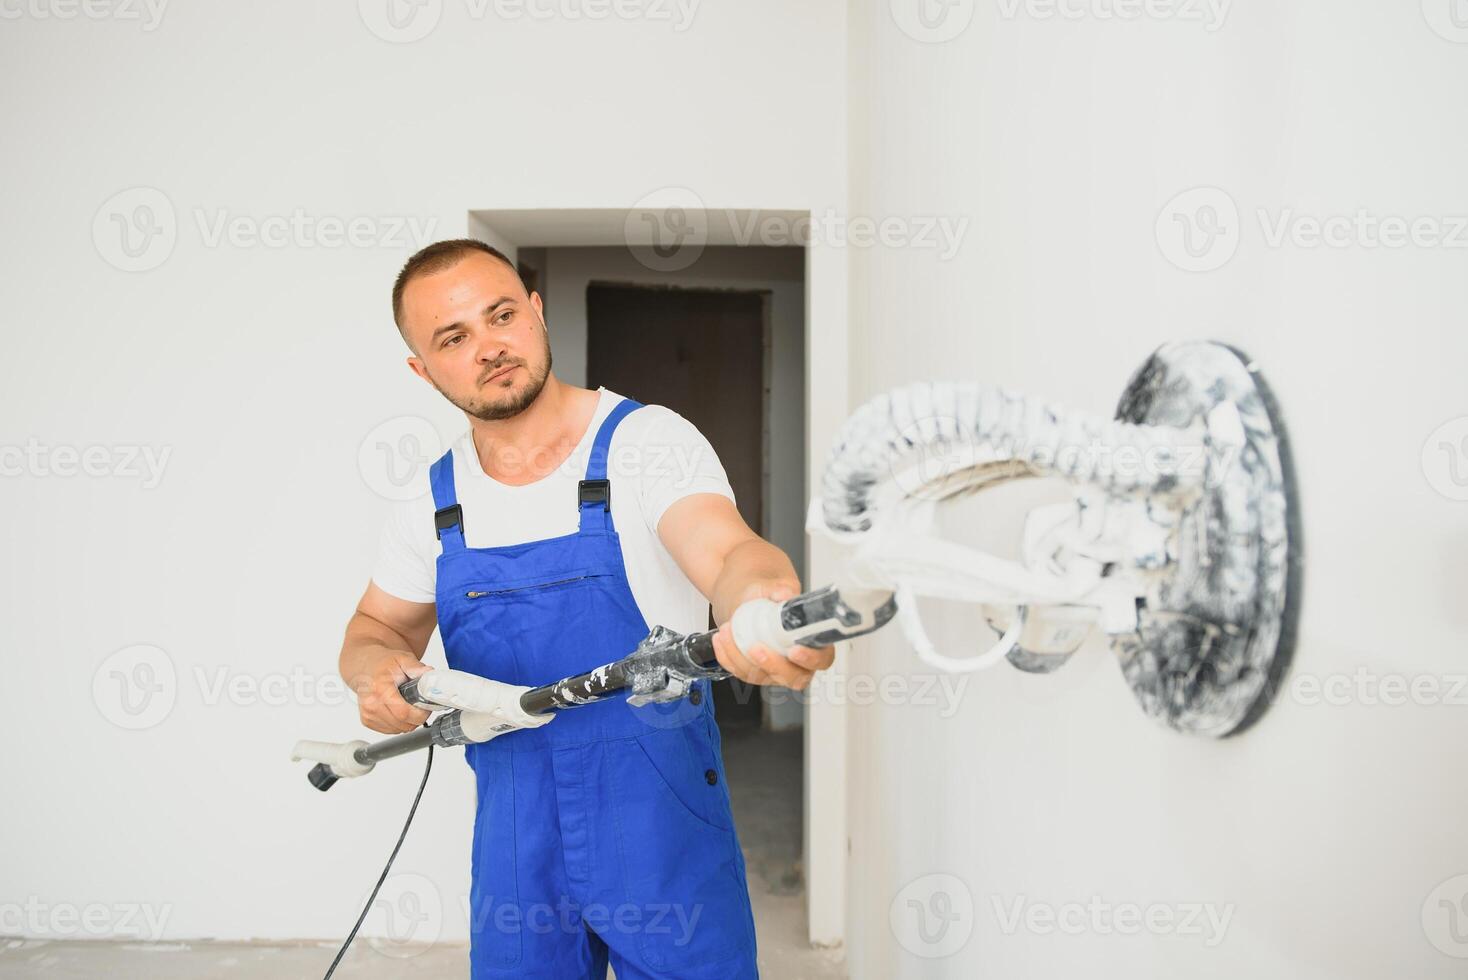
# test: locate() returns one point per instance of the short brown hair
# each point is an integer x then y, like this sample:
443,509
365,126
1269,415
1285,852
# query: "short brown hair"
436,258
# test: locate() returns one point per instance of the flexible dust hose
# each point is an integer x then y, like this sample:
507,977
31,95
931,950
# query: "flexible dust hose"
1000,429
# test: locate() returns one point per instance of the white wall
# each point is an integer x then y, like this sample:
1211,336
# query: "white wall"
1327,828
262,370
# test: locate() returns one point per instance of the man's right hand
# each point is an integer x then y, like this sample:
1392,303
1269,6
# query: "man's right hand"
381,705
383,646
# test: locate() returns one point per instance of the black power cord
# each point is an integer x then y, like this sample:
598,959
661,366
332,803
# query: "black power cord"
427,768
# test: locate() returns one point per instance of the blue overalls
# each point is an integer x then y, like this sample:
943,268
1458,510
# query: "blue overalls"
608,832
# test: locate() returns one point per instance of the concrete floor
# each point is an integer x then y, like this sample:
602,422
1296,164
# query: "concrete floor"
764,780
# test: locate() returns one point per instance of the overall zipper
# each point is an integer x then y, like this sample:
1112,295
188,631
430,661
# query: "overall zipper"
522,588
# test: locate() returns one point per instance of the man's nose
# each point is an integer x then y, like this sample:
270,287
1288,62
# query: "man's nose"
491,349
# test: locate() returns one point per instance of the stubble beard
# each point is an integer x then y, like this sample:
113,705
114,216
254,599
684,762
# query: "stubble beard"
493,411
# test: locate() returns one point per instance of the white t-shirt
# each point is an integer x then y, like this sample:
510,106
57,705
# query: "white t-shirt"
656,458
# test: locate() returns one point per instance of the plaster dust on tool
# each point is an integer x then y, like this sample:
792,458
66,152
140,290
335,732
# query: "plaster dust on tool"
1182,544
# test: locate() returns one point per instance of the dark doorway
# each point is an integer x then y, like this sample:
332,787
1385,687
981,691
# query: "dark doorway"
704,353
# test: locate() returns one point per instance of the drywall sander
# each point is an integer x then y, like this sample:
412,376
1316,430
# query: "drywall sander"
663,668
1180,543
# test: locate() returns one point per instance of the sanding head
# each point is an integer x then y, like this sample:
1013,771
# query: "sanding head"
1217,633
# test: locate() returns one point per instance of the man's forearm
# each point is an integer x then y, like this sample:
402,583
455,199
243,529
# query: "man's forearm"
753,566
366,645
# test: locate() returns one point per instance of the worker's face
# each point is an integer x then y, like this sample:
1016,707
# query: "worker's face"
480,340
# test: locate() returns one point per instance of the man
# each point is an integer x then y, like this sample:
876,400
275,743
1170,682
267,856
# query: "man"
605,834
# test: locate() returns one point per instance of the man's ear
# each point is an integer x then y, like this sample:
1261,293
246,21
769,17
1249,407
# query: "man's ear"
539,307
416,363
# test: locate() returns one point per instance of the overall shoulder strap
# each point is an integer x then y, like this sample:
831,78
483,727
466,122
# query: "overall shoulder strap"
594,493
448,516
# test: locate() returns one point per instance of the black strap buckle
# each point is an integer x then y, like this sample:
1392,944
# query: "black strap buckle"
447,517
595,492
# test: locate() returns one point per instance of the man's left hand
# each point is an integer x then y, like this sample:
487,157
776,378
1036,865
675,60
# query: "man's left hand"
761,665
